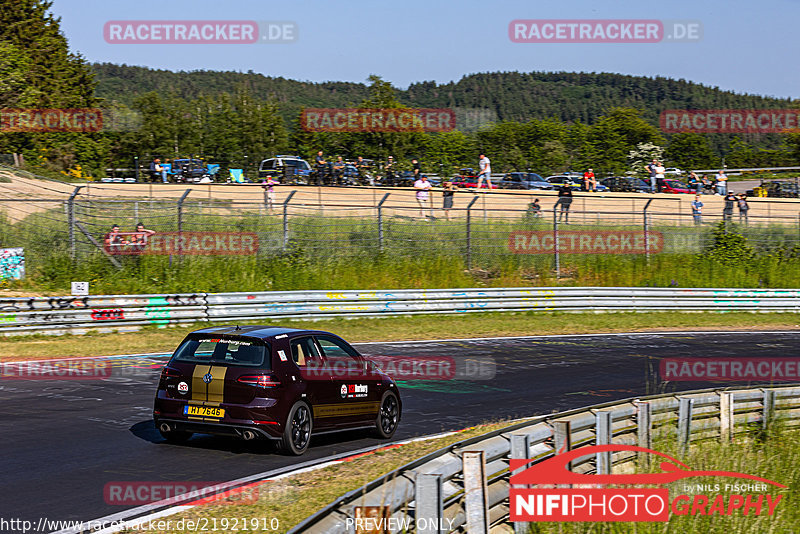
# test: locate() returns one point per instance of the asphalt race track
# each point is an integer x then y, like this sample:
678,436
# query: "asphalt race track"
64,440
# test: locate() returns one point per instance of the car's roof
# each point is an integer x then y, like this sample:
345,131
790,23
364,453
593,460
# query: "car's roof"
256,331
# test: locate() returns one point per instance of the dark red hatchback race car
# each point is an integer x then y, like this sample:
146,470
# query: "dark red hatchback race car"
271,382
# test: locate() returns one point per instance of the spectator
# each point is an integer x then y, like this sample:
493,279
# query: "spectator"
697,210
268,186
651,170
447,194
695,183
589,181
534,210
114,240
708,187
388,172
743,208
139,238
565,201
157,169
423,186
416,168
363,171
727,211
321,166
659,172
338,171
485,172
722,183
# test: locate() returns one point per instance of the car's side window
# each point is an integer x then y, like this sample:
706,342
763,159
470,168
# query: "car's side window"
336,350
304,352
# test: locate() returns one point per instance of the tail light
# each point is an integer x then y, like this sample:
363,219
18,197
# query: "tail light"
168,372
261,381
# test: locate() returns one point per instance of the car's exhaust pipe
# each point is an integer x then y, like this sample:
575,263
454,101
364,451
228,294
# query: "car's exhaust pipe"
164,427
248,435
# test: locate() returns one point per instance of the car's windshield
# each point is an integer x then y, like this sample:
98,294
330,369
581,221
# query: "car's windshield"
215,350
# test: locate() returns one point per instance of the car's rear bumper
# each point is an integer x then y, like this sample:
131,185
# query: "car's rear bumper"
219,428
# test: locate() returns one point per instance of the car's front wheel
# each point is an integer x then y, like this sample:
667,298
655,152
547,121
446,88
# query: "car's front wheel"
297,431
388,416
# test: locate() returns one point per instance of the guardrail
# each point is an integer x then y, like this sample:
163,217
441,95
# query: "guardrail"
435,487
77,314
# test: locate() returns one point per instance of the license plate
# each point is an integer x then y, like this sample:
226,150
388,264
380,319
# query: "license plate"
204,411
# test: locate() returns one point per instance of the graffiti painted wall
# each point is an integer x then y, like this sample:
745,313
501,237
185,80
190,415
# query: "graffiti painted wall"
12,263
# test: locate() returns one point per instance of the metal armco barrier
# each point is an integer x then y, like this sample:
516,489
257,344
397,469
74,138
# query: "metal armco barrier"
76,314
440,486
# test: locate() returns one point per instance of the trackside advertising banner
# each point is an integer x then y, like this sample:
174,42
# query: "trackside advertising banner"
585,242
585,497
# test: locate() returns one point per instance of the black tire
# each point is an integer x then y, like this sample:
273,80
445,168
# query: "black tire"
297,431
175,436
388,416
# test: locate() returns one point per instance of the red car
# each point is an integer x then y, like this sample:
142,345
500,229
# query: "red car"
668,185
469,178
273,383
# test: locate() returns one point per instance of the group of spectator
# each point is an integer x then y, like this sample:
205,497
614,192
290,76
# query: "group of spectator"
116,242
731,200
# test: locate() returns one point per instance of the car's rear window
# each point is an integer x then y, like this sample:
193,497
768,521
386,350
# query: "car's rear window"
223,351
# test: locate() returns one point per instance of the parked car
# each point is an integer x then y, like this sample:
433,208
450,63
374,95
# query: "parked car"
673,171
467,177
524,180
575,182
777,189
626,184
668,185
191,170
269,382
287,169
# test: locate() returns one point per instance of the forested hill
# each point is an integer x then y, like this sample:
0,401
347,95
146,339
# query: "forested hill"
506,95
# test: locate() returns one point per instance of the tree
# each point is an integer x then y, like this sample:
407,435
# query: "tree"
690,150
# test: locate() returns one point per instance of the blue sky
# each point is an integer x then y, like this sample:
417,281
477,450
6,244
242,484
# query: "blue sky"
747,47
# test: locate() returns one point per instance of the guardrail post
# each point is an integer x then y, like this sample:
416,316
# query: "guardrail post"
562,438
429,504
71,220
286,220
767,417
380,221
475,492
469,232
180,223
603,435
644,429
556,254
520,450
726,417
685,405
646,231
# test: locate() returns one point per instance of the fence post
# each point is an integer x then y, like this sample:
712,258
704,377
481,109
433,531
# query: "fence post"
646,231
603,436
286,220
726,417
469,232
380,221
770,396
71,220
520,450
644,427
562,438
180,222
555,244
429,503
684,422
136,168
475,492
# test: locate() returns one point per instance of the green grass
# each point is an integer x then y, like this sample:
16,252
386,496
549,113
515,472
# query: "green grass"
344,254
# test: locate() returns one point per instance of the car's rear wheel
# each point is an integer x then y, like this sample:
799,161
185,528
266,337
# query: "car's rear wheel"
297,431
388,416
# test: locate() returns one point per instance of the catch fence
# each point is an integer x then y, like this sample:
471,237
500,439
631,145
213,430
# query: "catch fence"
482,232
